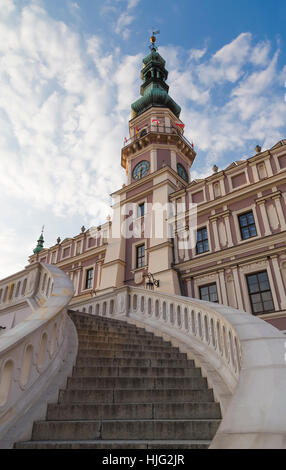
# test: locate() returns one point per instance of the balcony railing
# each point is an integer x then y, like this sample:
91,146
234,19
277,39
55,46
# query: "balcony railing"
156,129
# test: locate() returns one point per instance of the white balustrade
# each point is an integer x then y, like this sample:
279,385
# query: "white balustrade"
242,356
32,352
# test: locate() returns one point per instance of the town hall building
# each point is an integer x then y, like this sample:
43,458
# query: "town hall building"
220,238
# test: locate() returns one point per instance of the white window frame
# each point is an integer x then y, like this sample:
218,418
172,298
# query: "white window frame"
134,254
236,214
83,282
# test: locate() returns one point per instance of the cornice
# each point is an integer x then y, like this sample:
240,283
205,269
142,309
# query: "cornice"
275,195
237,194
83,256
230,253
159,246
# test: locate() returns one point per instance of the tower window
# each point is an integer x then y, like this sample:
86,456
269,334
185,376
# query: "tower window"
182,172
141,210
140,256
260,293
247,225
209,293
202,241
89,278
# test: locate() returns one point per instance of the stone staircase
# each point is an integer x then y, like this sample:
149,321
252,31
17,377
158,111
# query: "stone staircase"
129,390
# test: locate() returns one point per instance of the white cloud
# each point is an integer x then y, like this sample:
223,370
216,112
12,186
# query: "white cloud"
7,7
58,116
229,100
260,53
125,19
197,54
226,64
132,4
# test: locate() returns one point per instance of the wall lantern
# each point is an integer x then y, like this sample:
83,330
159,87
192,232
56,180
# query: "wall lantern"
151,281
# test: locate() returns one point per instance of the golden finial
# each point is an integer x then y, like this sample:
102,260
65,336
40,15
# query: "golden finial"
153,39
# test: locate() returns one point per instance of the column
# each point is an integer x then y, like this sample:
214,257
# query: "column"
247,303
99,272
153,160
77,282
279,281
215,232
237,288
173,160
272,287
255,173
176,248
228,231
189,288
268,167
223,287
280,212
261,204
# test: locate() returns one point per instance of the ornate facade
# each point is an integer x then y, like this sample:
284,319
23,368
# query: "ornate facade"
221,238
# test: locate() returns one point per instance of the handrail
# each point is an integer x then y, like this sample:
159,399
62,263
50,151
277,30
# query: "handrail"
156,128
19,287
242,356
32,352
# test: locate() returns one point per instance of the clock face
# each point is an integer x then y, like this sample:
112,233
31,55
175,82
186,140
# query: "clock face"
141,169
182,172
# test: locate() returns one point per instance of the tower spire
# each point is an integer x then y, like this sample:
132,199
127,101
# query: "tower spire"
40,245
154,89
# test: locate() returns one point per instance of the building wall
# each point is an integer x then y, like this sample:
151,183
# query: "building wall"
256,185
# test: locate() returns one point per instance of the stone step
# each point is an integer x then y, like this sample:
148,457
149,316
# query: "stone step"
133,411
125,429
122,334
126,362
120,444
192,383
119,339
101,322
127,347
112,329
112,353
125,396
136,372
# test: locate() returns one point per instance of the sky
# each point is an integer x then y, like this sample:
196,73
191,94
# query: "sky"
69,73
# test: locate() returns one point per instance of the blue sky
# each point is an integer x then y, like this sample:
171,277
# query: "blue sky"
70,70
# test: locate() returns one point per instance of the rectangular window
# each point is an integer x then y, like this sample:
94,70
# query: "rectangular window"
89,279
247,225
140,256
202,241
66,252
141,210
78,247
209,293
260,293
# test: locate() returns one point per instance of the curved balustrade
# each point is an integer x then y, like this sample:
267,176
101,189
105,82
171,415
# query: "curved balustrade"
32,353
24,291
242,356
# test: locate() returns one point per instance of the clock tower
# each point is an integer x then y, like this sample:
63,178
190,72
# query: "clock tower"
157,159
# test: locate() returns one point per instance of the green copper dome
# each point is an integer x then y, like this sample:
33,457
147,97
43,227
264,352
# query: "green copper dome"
154,90
40,245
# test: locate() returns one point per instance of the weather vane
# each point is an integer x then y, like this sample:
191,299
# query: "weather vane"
153,39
